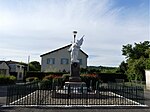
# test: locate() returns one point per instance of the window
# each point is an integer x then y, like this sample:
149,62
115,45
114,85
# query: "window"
20,75
80,61
64,61
51,61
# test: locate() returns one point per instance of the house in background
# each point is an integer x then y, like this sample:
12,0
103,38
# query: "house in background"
59,60
4,68
17,69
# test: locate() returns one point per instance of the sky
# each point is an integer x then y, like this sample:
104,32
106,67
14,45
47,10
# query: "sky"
34,27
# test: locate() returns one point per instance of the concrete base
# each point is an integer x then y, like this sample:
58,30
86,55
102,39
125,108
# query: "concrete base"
75,87
64,95
74,90
74,79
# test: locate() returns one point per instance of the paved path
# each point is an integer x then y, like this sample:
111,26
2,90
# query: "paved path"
37,109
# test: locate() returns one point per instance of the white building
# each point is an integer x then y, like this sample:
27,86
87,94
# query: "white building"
17,69
4,68
59,60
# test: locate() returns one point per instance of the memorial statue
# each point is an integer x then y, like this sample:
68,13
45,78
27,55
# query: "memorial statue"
74,49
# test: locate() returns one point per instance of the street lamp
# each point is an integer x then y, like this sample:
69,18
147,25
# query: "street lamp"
74,34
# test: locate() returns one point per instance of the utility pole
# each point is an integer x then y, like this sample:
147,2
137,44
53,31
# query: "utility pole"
28,63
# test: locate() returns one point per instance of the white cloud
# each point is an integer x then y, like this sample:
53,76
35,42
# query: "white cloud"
40,26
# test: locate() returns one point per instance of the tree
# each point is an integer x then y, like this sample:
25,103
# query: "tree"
136,69
34,66
122,67
137,51
148,60
138,59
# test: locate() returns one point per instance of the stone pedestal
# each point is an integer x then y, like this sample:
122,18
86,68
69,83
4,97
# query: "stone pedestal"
75,72
75,85
147,76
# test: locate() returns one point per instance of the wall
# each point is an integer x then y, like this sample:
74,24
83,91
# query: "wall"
19,69
147,76
63,53
4,66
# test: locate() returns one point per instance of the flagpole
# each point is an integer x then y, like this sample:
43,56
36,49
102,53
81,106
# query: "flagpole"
28,63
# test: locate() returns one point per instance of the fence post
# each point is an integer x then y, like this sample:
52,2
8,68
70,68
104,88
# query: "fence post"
68,94
8,95
38,85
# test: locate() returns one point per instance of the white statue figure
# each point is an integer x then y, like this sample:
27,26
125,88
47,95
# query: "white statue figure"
74,49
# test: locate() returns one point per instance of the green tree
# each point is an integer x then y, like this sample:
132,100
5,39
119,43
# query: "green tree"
148,60
122,67
34,66
136,51
138,59
136,69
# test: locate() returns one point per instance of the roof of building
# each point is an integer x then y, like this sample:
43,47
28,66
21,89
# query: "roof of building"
2,62
15,62
61,49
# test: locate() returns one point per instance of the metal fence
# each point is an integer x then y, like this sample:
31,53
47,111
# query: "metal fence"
105,94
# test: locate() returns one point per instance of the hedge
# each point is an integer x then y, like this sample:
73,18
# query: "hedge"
111,77
31,79
41,75
6,80
90,79
51,81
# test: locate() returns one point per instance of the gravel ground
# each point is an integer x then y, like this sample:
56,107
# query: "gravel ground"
45,97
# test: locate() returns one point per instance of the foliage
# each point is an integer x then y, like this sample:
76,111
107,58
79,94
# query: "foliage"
4,80
31,79
34,66
112,70
90,80
111,77
135,52
148,60
93,69
66,77
83,70
122,67
53,79
41,75
58,81
148,64
45,84
49,77
136,69
138,59
98,69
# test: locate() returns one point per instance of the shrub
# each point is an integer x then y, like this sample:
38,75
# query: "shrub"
31,79
6,80
66,77
58,81
41,75
46,84
49,77
90,80
111,77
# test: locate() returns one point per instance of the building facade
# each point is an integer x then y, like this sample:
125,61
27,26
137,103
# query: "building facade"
4,68
17,69
59,60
